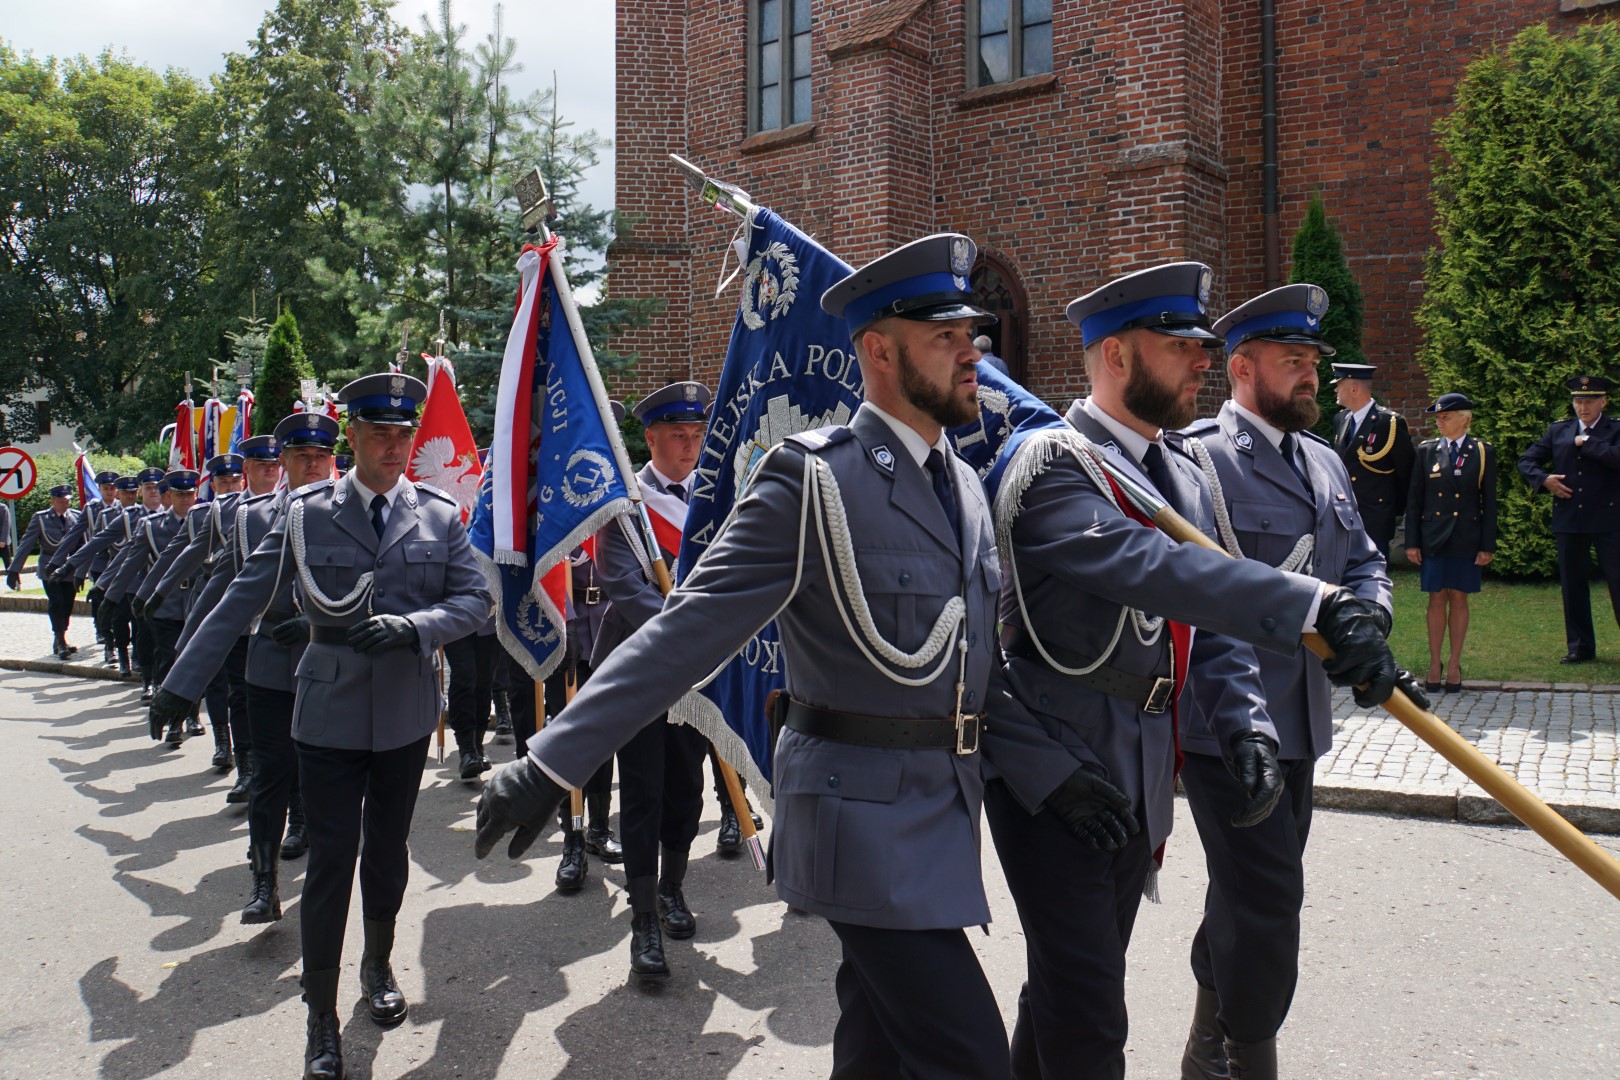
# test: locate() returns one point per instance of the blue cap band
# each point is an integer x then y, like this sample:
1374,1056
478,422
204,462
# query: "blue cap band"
1299,322
1094,328
261,453
689,409
859,312
382,401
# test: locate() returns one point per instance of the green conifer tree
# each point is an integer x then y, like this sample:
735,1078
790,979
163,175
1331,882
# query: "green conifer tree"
285,366
1319,260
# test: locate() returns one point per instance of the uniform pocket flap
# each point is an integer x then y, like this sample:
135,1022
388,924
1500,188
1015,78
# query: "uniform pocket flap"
848,772
318,665
329,555
990,564
1348,517
1261,517
906,572
426,551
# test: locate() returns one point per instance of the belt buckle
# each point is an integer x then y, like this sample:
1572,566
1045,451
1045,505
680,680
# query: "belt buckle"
593,594
962,727
1158,698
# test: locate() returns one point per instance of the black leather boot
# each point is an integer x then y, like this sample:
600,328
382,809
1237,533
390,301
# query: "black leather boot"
297,840
174,736
193,725
383,998
503,717
571,871
244,777
672,909
323,1043
1252,1061
265,903
222,748
123,662
729,840
473,763
646,941
1205,1055
599,839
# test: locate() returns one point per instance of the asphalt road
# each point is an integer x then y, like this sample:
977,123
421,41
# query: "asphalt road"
1431,949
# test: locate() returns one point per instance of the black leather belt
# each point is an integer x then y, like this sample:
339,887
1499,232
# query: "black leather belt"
1150,693
328,635
271,619
960,735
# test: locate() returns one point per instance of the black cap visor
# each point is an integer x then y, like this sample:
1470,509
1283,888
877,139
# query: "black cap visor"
937,307
1288,337
383,416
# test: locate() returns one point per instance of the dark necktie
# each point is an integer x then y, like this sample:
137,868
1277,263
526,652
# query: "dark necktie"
678,491
377,504
942,491
1349,431
1287,449
1456,455
1158,471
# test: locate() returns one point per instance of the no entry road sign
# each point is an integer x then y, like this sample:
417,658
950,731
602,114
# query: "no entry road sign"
17,473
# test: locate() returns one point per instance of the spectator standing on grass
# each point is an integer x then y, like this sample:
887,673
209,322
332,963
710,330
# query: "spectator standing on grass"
1451,528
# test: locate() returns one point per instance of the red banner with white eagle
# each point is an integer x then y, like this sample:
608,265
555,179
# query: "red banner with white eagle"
444,454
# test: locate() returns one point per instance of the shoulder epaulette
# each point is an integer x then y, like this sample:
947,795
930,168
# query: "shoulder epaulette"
1199,428
820,438
439,493
310,489
254,499
1314,436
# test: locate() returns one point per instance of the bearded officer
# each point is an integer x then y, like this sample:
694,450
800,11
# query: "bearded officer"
46,531
302,446
1287,501
387,577
1079,821
884,725
91,520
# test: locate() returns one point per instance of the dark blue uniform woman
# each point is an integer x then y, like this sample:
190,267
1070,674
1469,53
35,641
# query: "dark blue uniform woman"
1451,527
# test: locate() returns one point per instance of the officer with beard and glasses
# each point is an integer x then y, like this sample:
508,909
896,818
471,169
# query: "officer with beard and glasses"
1283,498
887,619
1080,818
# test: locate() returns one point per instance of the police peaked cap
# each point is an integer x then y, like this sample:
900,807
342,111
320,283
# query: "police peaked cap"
153,475
261,447
677,403
1172,299
106,477
1588,385
224,465
182,479
307,429
925,280
1353,371
127,483
1291,315
61,491
1451,403
385,398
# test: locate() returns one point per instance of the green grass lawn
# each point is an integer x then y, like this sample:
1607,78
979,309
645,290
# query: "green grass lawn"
1515,632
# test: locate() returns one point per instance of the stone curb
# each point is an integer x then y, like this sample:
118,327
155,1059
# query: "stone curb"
63,667
38,603
1456,806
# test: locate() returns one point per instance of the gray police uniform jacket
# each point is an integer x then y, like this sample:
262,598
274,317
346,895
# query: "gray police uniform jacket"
91,521
45,531
269,664
875,837
633,597
182,568
152,535
587,609
1270,510
177,599
1079,562
423,569
101,549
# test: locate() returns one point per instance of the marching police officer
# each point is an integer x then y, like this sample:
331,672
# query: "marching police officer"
103,545
387,577
92,518
46,531
152,536
1376,448
134,548
1578,463
1284,499
883,724
1079,818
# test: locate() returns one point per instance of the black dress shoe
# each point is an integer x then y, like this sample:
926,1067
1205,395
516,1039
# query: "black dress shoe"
647,948
473,764
571,871
194,727
1454,687
1573,658
600,841
729,840
384,1001
1431,687
175,737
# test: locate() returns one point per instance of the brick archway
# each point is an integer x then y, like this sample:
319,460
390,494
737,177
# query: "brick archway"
998,289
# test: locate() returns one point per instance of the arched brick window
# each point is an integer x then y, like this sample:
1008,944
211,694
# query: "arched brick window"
996,288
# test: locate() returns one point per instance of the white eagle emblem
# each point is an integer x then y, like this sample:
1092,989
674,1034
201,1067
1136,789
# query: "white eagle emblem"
765,289
437,464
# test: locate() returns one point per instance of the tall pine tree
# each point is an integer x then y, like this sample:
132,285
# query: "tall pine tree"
1319,260
285,367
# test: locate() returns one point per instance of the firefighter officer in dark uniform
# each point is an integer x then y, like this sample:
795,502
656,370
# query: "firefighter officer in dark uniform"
1376,448
46,531
1284,499
386,577
1577,462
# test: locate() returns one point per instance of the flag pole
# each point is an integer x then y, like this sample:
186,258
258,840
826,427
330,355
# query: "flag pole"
536,206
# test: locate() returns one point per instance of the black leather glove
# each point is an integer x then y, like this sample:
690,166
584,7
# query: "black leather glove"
1254,763
291,632
520,796
1412,688
1382,618
167,708
137,606
1361,656
382,632
153,602
1095,811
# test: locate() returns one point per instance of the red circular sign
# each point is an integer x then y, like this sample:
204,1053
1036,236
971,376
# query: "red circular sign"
17,473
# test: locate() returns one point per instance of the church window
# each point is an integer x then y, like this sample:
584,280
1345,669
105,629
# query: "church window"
778,64
1008,40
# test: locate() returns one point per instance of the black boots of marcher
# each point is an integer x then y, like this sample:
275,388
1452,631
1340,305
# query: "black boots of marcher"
471,745
297,840
646,941
383,998
244,778
1205,1056
571,870
265,903
729,840
599,839
323,1043
222,748
1252,1061
672,910
503,716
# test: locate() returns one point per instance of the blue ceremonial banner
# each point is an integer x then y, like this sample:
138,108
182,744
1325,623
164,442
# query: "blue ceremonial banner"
1007,414
573,482
789,368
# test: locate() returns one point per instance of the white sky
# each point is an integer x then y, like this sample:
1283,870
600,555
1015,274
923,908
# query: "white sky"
195,35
